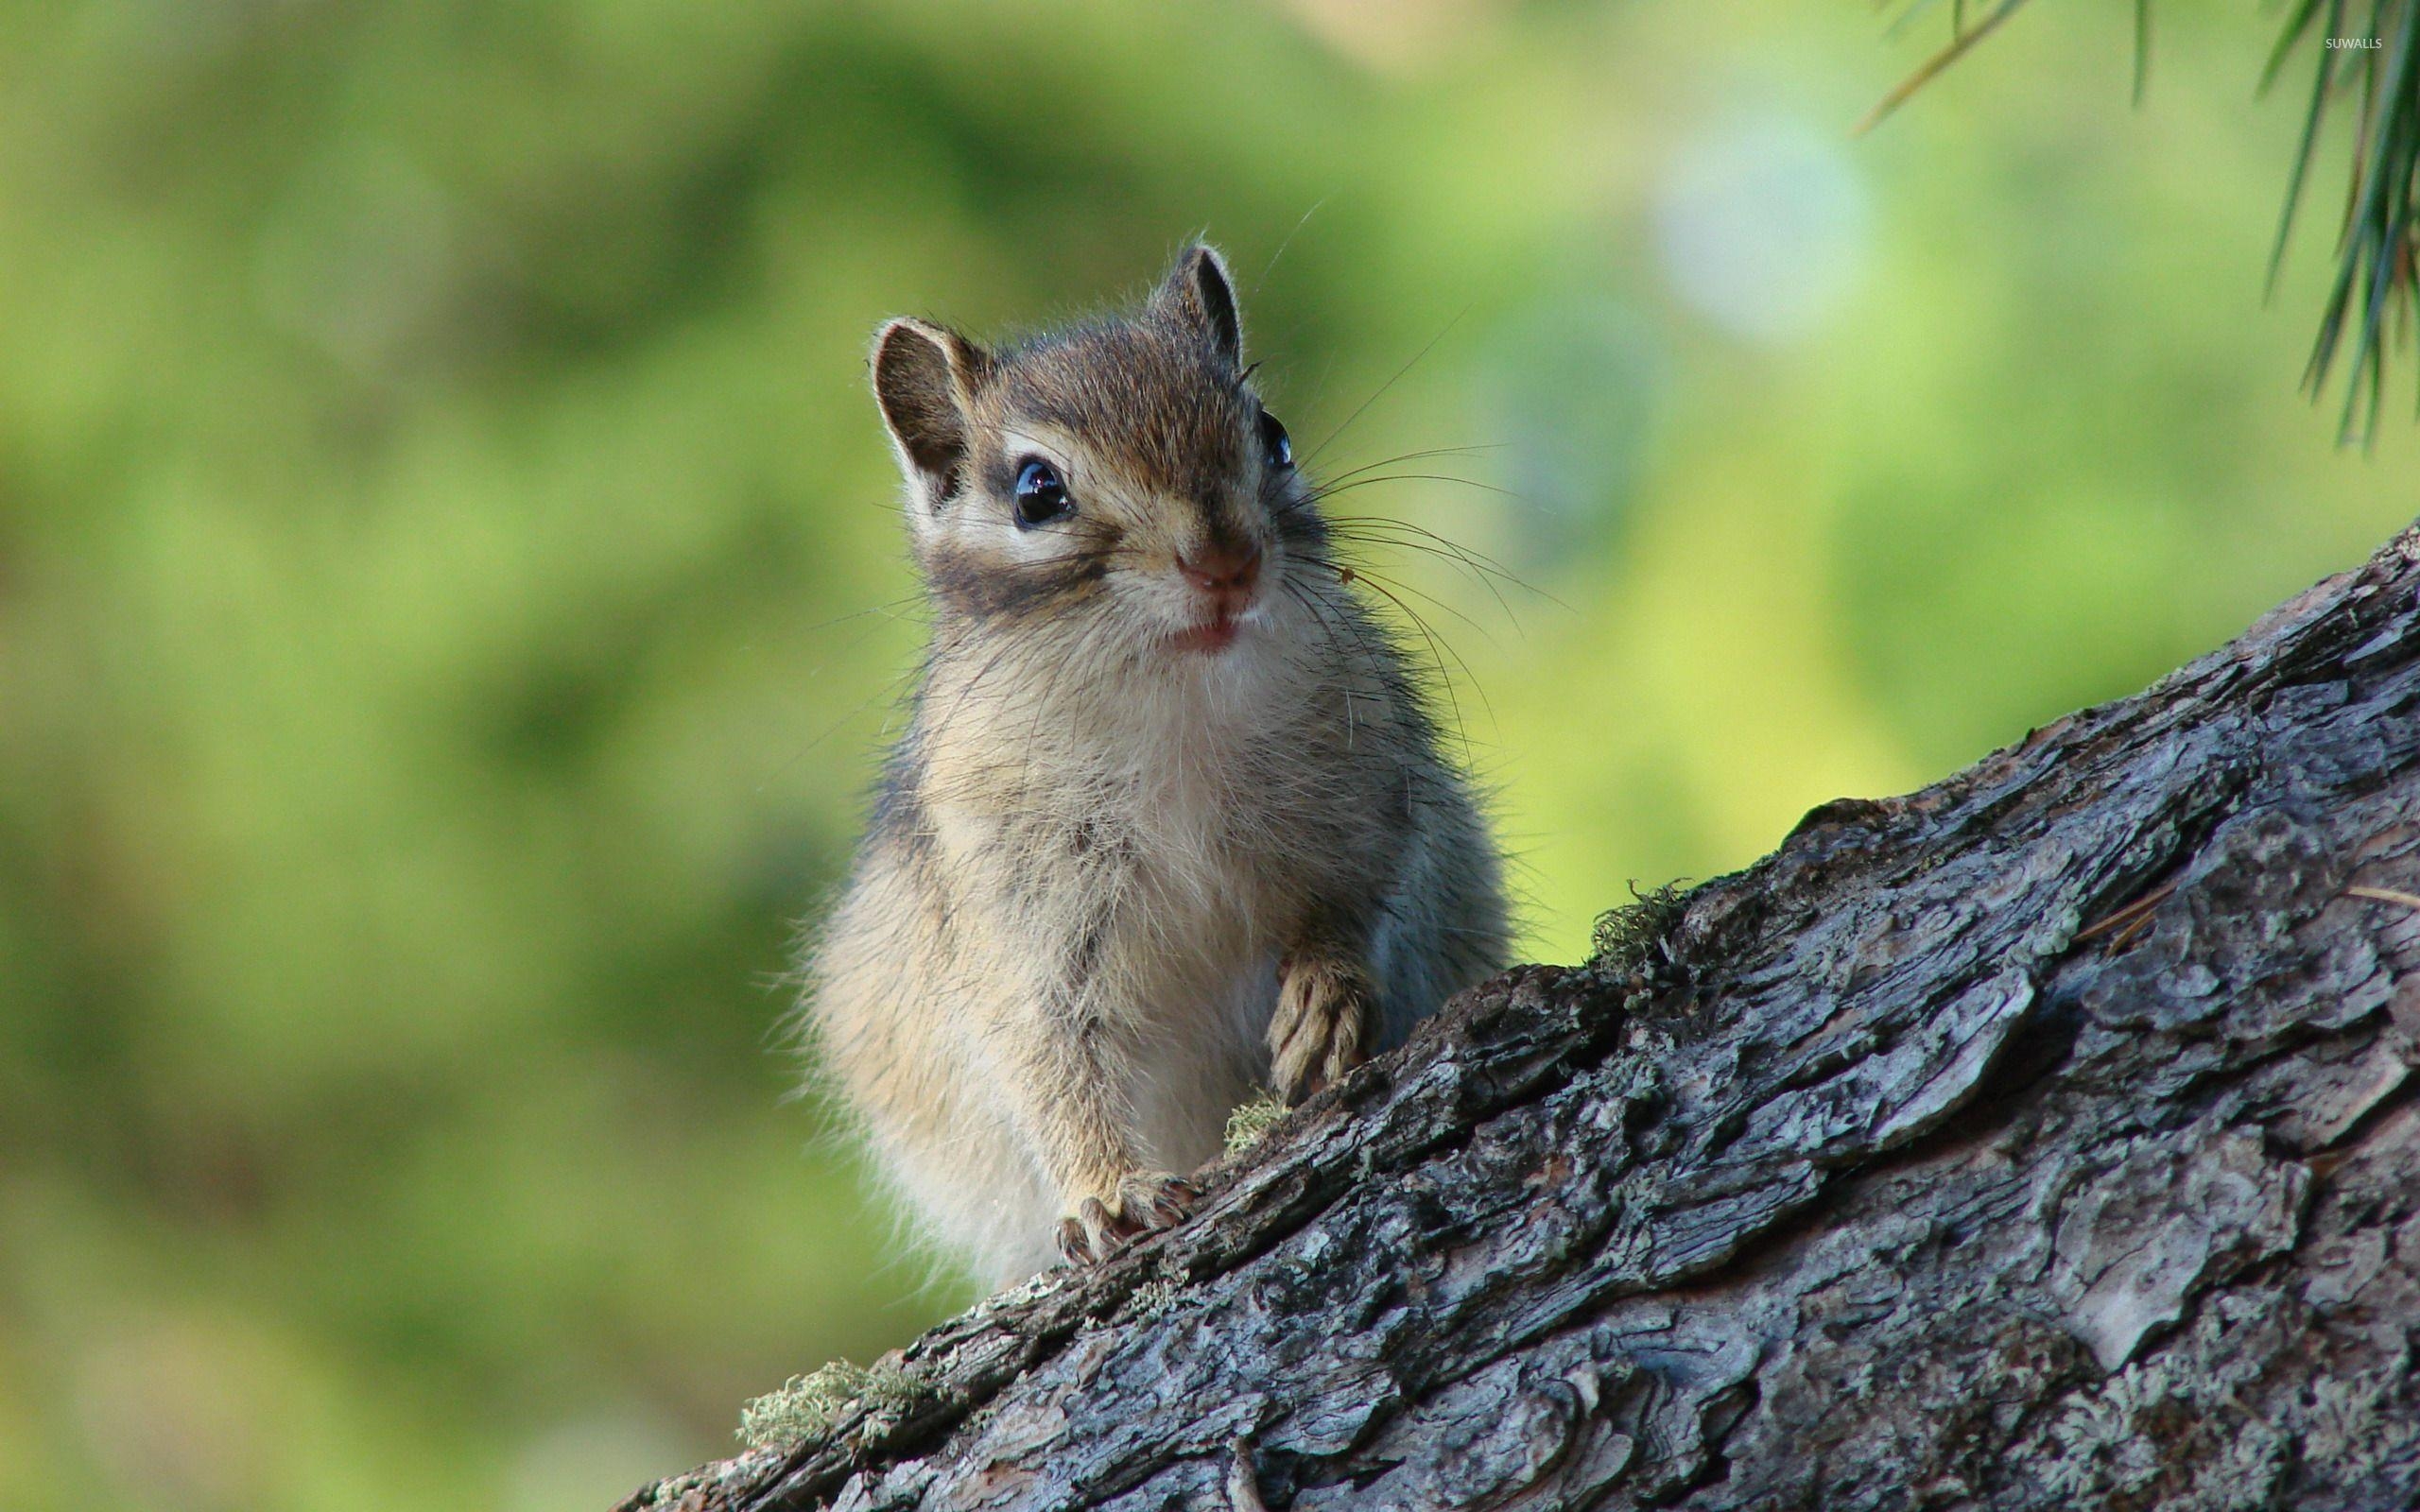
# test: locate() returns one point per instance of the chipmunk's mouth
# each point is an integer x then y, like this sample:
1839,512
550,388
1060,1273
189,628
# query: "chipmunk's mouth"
1224,592
1209,638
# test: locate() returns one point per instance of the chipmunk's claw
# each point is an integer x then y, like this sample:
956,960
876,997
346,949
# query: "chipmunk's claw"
1157,1200
1087,1238
1148,1201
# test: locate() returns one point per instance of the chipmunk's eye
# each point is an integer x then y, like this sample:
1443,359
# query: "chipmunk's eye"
1274,442
1041,497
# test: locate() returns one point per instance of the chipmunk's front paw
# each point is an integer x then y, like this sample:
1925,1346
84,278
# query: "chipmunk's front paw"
1143,1203
1322,1028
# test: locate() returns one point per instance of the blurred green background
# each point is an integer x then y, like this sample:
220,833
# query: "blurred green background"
450,599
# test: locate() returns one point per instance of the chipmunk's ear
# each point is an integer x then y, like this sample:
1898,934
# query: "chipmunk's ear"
924,378
1200,296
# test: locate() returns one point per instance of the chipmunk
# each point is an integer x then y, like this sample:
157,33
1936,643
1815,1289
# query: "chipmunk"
1171,819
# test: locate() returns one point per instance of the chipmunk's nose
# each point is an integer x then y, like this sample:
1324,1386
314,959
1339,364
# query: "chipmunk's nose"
1223,571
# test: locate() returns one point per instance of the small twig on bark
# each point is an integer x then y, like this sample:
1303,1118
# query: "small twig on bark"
2385,895
2128,924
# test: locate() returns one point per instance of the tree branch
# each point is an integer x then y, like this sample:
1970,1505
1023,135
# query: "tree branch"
2043,1139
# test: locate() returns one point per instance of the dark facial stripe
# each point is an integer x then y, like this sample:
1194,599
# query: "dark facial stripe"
987,587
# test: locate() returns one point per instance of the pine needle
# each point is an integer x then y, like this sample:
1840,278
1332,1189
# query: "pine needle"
1932,67
2370,304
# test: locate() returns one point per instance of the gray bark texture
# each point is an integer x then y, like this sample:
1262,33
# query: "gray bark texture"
2043,1139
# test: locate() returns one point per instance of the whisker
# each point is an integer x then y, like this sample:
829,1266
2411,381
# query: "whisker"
1352,523
1404,536
1401,586
1420,477
1437,649
1293,589
1363,407
1291,235
1485,570
1484,573
888,688
888,610
1414,456
890,613
1482,566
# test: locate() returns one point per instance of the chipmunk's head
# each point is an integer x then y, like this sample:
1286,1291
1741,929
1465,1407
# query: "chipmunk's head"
1119,476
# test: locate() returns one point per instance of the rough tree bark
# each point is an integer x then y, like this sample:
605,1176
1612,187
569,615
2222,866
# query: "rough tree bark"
2044,1138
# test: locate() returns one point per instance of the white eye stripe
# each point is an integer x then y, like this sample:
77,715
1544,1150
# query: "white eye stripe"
1022,444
